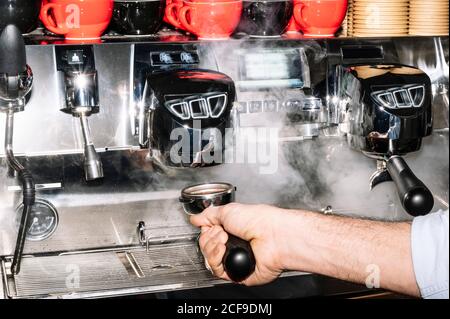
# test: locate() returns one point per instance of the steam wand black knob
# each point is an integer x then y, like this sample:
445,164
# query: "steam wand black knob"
13,60
16,78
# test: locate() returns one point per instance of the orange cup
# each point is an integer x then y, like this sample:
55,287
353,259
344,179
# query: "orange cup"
212,20
77,19
320,18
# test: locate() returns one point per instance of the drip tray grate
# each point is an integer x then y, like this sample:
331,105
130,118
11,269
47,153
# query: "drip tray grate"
112,273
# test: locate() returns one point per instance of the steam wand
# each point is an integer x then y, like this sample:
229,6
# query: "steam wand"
16,81
28,190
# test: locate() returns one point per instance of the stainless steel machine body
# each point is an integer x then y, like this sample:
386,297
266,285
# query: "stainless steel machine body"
127,233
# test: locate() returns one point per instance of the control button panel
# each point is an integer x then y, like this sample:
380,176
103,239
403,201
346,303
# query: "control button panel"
308,104
174,58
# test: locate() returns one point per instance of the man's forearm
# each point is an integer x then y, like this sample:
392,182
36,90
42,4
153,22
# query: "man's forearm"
352,250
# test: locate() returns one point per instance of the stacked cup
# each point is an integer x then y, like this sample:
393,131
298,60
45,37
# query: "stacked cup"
138,17
376,18
77,19
320,18
207,19
428,17
22,13
171,14
266,18
293,26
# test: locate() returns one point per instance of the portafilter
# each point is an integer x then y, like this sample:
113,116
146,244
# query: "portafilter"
387,111
239,261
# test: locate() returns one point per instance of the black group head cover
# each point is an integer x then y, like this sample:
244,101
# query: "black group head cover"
13,59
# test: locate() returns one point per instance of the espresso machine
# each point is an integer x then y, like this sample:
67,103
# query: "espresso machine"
107,220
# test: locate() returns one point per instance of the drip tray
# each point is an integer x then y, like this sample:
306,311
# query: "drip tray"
112,273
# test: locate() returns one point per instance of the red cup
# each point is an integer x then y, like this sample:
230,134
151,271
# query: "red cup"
77,19
171,16
320,18
44,2
213,20
293,26
168,2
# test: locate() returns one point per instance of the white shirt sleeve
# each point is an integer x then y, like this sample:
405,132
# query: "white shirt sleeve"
430,253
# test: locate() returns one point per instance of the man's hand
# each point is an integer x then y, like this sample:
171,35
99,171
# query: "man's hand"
260,225
334,246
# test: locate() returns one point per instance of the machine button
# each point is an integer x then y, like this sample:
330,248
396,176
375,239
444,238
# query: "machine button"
75,57
165,58
255,107
242,107
293,106
312,104
270,106
188,58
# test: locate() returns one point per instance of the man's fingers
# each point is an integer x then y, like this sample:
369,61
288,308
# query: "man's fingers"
214,253
204,229
213,237
216,262
209,234
253,280
210,217
213,248
226,216
257,278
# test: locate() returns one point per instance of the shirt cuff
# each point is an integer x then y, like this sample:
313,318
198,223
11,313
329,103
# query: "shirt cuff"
430,253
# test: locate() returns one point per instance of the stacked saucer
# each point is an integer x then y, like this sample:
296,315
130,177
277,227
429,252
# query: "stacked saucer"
378,18
347,25
428,17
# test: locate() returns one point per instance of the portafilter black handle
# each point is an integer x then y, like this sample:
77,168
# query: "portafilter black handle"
13,59
415,197
239,261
